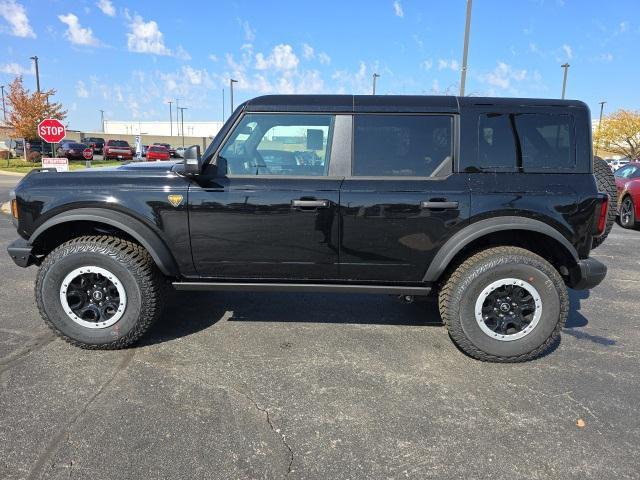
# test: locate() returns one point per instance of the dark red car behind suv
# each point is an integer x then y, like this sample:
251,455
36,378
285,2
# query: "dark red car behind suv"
628,186
119,149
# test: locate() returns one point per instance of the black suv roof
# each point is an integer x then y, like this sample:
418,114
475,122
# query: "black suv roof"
391,103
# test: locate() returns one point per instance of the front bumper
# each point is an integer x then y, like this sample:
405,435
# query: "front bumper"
587,274
21,252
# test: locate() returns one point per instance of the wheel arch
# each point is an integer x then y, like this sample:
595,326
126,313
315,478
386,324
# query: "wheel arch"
507,230
84,218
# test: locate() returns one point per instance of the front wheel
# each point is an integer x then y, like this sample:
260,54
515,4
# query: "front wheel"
99,292
504,304
627,213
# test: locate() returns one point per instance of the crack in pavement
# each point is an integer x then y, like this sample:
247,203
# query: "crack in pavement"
32,345
62,437
271,425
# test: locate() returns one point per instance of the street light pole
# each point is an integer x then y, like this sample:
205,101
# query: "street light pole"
177,124
375,75
182,109
465,50
102,119
222,104
4,108
35,59
600,124
170,120
564,81
231,82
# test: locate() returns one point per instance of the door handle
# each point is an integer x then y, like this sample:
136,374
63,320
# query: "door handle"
310,204
438,204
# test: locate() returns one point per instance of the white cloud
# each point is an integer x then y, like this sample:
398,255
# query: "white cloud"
281,57
213,58
567,51
81,89
448,64
427,64
76,33
146,37
16,69
324,59
249,33
182,54
16,16
606,57
106,6
623,27
307,51
503,75
397,9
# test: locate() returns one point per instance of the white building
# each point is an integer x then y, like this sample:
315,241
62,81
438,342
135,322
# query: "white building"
191,129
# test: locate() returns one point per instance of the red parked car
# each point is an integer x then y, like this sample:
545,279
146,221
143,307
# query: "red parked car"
628,186
156,152
119,149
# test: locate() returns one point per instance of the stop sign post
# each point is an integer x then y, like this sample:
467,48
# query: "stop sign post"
51,130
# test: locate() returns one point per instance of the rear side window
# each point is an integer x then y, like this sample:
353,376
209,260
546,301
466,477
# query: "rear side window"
496,143
546,141
528,142
402,145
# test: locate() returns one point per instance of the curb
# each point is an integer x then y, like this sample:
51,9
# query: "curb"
12,174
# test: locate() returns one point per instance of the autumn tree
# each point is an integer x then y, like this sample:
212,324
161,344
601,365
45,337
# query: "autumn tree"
26,109
620,133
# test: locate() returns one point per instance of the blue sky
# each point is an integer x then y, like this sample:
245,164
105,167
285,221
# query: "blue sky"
129,58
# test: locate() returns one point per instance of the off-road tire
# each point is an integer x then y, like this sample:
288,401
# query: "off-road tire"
606,184
464,284
130,262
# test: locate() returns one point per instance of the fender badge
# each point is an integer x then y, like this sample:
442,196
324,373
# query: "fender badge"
175,200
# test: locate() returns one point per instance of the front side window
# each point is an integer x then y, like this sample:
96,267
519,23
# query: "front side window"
279,144
401,145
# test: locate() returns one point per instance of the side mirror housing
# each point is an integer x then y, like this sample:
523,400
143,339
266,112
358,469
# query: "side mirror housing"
192,160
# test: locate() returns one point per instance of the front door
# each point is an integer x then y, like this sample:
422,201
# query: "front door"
271,210
402,200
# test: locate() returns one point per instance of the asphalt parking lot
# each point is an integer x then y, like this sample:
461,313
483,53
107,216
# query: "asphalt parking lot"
232,385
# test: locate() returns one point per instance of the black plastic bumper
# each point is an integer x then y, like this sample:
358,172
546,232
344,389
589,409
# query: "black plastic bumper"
587,274
21,253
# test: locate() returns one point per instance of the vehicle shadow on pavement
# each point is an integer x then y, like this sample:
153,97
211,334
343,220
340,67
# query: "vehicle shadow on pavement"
188,313
577,320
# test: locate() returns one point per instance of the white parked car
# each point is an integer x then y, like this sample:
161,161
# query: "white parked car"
616,164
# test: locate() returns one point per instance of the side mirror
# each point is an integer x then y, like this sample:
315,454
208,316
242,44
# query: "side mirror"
192,160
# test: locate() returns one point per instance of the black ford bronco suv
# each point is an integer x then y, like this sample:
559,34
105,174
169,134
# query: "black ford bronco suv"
490,204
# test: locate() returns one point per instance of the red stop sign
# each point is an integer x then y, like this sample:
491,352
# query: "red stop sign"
87,153
51,130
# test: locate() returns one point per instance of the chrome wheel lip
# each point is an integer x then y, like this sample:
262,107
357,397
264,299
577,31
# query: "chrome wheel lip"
64,286
501,283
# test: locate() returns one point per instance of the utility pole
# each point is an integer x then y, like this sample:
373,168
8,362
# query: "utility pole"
35,60
4,108
177,124
170,120
223,105
102,119
231,82
564,81
600,124
465,51
182,109
375,75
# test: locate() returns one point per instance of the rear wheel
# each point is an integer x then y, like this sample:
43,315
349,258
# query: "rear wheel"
99,292
504,304
627,213
607,184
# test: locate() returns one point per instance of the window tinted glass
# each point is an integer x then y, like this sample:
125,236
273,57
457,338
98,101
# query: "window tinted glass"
545,141
496,144
401,145
118,143
628,171
287,144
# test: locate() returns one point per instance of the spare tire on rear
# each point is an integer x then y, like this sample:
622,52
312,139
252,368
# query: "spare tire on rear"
606,184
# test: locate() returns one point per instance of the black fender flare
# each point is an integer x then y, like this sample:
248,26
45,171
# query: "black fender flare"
142,233
484,227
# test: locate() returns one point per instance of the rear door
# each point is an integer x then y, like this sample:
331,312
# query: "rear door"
401,201
271,209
